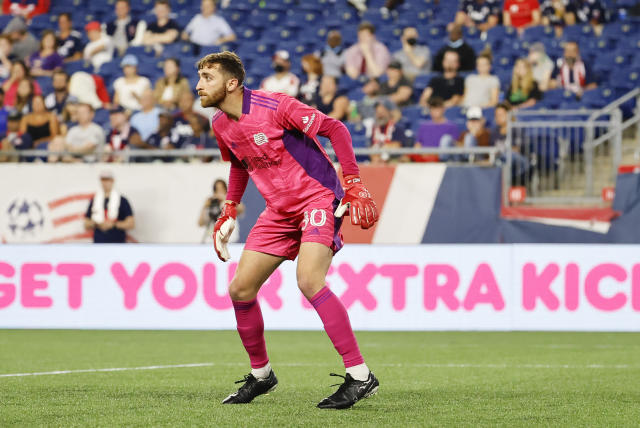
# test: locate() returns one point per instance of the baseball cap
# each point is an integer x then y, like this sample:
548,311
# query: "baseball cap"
16,24
386,103
396,64
282,54
116,109
129,59
93,25
106,175
72,99
474,113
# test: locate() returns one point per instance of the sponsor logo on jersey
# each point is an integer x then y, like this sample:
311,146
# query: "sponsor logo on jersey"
260,138
259,162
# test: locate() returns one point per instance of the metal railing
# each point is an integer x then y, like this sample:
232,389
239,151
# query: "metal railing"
566,156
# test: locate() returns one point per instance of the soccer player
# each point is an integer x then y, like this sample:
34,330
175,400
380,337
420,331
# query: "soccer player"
271,138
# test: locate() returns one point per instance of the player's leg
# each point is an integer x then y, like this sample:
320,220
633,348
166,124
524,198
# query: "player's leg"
253,270
314,260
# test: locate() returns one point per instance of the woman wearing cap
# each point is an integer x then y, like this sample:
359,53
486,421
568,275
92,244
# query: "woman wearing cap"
130,87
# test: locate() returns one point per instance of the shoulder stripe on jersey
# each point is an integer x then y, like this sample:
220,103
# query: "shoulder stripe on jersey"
270,107
216,117
264,99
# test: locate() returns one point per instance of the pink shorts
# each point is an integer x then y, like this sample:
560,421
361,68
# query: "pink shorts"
281,235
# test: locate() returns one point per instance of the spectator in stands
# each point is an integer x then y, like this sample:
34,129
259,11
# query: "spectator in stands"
89,89
498,138
330,101
129,88
207,28
56,100
82,139
332,55
541,65
282,80
24,96
14,139
109,214
571,73
200,138
43,62
182,119
125,30
171,85
523,91
481,89
466,54
521,14
414,57
396,87
449,86
25,9
482,14
100,47
312,67
368,57
122,135
146,120
19,72
5,56
387,133
432,132
24,44
69,40
163,137
163,30
4,114
69,115
41,125
590,11
557,13
475,135
212,209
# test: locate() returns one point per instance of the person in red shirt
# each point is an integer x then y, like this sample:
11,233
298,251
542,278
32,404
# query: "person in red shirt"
521,13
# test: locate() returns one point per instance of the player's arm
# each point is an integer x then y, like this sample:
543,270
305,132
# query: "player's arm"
357,200
238,180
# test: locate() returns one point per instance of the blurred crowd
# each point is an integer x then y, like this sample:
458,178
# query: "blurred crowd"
399,73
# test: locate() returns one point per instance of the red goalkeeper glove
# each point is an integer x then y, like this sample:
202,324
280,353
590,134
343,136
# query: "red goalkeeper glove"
358,202
222,230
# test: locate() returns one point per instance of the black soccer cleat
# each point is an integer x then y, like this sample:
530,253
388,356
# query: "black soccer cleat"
350,392
252,388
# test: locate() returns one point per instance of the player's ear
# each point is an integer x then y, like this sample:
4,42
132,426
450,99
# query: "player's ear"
232,84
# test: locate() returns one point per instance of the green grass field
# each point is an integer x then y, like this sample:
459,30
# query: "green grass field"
426,379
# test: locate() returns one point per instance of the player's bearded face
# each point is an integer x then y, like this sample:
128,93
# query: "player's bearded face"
212,89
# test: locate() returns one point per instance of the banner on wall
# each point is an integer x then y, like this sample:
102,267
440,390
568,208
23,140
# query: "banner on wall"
427,287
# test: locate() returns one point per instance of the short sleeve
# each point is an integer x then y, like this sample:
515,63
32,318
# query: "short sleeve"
225,29
294,114
125,209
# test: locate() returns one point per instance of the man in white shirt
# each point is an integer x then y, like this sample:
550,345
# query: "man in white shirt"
130,87
100,47
282,80
207,28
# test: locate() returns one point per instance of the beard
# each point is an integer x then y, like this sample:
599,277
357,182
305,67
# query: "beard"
214,99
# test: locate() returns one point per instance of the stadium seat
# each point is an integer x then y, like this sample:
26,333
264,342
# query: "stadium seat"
597,98
101,117
46,84
577,32
143,52
80,65
537,33
624,80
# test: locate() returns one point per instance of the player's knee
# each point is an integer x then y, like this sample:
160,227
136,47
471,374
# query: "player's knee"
309,285
240,291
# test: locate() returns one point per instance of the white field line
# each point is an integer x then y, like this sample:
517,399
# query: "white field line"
399,365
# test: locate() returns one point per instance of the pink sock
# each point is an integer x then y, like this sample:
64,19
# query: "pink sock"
251,330
336,323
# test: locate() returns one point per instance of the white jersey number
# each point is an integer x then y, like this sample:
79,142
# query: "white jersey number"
313,218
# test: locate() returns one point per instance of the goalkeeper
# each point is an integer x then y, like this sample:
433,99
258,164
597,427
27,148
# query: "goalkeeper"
271,138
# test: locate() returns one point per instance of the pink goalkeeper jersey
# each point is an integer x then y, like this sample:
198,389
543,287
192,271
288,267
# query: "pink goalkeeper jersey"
275,140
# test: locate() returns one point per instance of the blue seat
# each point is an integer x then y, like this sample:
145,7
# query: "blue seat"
624,80
598,97
553,98
101,117
74,66
537,33
577,32
619,30
46,84
142,52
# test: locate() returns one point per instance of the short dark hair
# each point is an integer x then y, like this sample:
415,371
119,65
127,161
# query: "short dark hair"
124,1
505,105
436,102
164,2
229,63
61,71
67,14
366,25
